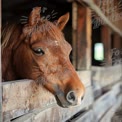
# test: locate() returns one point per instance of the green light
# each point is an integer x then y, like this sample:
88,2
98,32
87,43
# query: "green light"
99,52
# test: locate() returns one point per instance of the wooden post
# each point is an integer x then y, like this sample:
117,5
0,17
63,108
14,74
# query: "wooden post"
0,71
81,37
117,41
106,40
74,32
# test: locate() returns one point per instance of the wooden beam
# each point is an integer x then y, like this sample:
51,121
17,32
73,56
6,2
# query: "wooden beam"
107,76
27,96
105,102
106,40
0,70
53,114
101,107
23,97
88,116
117,41
99,12
81,37
74,33
117,110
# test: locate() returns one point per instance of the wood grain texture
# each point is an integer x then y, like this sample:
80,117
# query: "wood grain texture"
85,117
108,116
99,12
104,108
22,97
81,37
105,102
85,77
117,42
55,113
106,76
74,33
106,40
117,117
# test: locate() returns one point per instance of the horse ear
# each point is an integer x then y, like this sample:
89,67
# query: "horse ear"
62,21
34,16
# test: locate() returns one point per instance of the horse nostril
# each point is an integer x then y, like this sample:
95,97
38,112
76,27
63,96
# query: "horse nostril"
71,97
82,98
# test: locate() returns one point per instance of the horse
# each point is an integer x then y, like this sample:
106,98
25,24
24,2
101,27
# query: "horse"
38,51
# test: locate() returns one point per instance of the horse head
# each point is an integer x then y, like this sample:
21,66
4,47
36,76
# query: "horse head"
42,54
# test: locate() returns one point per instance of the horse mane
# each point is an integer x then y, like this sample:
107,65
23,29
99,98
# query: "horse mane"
8,31
10,35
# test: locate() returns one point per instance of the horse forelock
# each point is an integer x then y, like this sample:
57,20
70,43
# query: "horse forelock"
44,28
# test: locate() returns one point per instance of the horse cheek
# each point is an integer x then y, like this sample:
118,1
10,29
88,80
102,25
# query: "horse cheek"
22,62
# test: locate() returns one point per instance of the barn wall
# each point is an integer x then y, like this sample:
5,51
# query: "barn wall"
35,103
106,40
81,37
0,71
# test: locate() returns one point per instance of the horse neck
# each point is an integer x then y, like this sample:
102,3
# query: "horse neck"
7,68
8,72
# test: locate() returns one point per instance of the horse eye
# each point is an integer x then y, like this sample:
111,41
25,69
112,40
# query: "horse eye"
38,51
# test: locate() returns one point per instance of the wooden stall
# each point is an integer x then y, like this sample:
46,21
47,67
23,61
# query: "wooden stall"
37,102
25,101
81,37
103,108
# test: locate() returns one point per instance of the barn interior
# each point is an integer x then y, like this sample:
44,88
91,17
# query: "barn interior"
96,55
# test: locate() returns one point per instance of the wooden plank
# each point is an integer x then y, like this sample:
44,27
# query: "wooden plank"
85,77
106,76
81,37
117,42
97,90
86,117
117,117
55,113
25,95
0,71
106,40
117,88
104,103
108,116
74,32
22,97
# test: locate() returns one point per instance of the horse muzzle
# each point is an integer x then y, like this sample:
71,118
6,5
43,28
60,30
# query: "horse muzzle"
68,100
